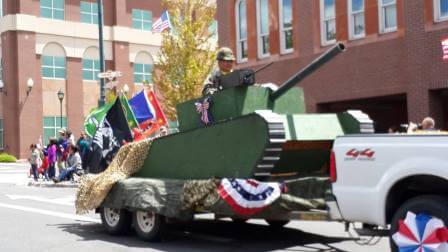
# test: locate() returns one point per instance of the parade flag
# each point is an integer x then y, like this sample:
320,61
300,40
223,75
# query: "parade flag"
444,43
162,23
112,133
248,196
160,117
132,121
94,120
141,107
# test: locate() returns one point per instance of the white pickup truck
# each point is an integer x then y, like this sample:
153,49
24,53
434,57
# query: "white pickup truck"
378,179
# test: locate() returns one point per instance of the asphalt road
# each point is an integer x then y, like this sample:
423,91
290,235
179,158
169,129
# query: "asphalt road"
38,218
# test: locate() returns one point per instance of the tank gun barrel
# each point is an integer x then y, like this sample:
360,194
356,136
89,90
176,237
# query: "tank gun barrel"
313,66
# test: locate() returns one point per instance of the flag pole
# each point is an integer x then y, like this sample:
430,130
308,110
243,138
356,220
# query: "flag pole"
101,101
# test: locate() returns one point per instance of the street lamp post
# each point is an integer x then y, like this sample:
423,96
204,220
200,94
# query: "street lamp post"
102,99
61,97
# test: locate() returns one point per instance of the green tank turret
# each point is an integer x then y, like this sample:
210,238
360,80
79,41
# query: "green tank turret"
247,131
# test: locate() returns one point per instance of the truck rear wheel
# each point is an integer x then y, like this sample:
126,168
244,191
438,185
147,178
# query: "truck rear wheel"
433,206
115,221
148,225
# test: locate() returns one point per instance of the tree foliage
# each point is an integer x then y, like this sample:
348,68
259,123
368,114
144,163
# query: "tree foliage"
187,54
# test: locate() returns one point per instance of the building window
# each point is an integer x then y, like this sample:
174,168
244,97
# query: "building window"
51,126
241,30
356,19
53,9
90,69
142,73
388,15
53,67
141,19
286,40
328,21
263,28
1,8
89,13
1,134
440,10
213,29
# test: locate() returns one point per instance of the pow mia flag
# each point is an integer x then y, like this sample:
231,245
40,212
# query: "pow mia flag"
112,133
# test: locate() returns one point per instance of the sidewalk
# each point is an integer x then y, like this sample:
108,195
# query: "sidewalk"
18,174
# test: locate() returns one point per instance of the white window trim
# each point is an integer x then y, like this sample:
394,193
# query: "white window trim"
143,73
261,55
239,53
53,8
91,13
1,8
382,20
141,20
323,32
283,49
437,12
55,127
351,20
92,70
54,67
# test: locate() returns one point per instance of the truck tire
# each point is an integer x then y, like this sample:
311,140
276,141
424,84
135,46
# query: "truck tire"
433,205
115,221
148,225
277,223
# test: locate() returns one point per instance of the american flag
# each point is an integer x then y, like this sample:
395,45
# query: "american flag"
162,23
444,43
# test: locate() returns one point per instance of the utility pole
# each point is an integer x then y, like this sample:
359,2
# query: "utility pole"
101,101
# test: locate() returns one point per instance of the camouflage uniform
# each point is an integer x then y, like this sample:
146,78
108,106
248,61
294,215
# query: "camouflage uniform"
212,84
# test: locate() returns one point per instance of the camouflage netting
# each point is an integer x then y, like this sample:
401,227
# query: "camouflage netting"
94,188
182,198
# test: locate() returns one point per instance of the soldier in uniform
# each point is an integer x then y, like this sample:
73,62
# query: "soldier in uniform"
225,60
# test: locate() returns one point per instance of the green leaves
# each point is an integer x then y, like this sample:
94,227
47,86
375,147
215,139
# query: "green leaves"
187,53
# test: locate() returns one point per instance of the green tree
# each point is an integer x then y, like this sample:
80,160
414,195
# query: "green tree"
187,54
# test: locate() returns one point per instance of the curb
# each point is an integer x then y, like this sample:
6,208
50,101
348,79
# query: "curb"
52,184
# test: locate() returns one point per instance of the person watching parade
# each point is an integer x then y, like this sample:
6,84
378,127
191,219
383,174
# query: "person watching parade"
225,59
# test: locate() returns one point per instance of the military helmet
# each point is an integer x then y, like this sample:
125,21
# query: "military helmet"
225,53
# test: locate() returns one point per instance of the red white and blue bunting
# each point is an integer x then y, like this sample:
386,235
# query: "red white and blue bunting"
248,196
421,233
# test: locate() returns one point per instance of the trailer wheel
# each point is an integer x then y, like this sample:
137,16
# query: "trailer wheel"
432,205
115,221
277,223
148,225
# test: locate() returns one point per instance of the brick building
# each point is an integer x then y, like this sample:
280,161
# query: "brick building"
392,69
55,43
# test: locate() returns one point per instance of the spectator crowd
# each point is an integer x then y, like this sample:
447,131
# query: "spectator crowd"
61,159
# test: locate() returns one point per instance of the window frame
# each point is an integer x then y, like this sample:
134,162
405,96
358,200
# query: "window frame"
282,29
54,67
52,9
438,12
323,29
95,71
260,36
382,20
239,40
1,8
141,20
93,15
143,73
351,20
55,126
